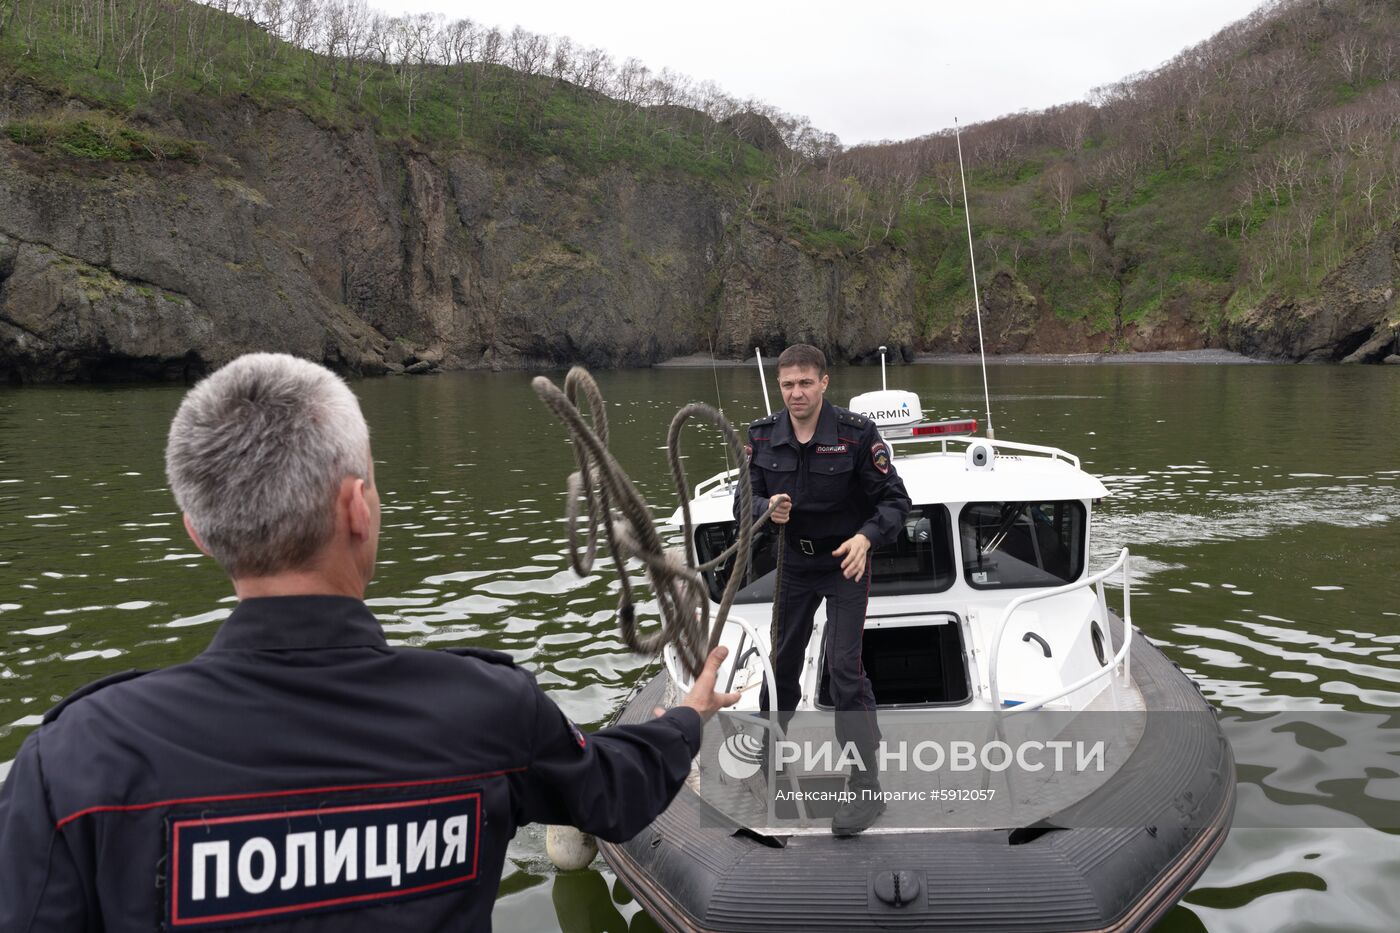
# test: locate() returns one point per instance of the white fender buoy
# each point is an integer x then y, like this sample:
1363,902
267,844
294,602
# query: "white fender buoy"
568,848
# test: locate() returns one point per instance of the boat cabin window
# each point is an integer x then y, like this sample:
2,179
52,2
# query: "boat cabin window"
919,561
1022,544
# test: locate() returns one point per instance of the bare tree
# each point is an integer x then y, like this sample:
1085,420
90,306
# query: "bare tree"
526,52
1291,91
1059,181
1351,52
492,47
630,82
1388,58
1072,125
592,70
1370,177
1338,126
561,63
147,45
410,46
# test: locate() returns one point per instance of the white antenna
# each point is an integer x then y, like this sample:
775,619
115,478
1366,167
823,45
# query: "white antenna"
976,299
719,400
884,383
767,409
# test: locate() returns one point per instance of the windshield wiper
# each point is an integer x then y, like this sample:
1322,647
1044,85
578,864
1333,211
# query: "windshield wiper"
1009,514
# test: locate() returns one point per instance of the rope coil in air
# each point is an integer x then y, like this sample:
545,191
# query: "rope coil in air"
614,503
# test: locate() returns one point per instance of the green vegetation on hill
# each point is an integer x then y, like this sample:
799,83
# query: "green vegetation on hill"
1249,165
141,57
99,137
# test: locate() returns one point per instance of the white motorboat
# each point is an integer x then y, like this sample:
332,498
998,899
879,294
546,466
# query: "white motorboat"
984,614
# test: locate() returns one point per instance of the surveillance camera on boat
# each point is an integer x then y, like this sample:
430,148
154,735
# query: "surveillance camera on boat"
980,455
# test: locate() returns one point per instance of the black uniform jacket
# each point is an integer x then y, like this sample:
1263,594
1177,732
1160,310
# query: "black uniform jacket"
842,483
302,775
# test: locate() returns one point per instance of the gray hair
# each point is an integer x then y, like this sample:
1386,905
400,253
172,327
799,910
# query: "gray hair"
256,456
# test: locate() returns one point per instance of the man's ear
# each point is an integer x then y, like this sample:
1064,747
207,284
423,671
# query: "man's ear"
194,536
357,510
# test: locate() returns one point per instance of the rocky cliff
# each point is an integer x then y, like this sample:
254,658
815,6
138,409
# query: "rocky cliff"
378,256
1353,318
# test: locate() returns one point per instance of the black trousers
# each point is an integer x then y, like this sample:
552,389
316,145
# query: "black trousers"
800,590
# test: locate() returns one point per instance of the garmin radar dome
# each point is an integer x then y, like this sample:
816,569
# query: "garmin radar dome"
898,413
889,408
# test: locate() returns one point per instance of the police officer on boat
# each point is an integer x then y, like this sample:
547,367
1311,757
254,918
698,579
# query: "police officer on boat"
301,773
837,496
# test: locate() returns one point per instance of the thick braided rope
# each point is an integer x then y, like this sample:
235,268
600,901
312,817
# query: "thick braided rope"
614,502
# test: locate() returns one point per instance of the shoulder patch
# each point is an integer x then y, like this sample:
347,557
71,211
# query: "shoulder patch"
90,689
577,734
880,457
766,419
483,654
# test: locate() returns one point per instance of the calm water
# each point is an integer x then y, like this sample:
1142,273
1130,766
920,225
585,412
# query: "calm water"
1262,504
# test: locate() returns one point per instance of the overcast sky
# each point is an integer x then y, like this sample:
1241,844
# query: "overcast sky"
877,70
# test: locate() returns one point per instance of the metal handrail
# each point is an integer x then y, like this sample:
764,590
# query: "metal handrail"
1108,667
716,480
1054,453
683,682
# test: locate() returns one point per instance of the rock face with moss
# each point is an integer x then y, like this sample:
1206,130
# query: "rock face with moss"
383,216
377,257
1354,317
153,270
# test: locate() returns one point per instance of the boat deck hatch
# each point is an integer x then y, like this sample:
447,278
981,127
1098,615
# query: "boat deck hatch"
912,665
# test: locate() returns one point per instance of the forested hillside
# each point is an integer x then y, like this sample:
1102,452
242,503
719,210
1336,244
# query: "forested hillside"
1211,195
180,181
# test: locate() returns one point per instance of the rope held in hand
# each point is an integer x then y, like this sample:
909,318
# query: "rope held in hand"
614,503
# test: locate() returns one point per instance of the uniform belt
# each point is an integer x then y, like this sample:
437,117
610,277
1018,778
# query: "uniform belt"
815,546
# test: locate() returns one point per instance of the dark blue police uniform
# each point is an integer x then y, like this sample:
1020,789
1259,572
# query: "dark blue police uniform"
841,482
302,774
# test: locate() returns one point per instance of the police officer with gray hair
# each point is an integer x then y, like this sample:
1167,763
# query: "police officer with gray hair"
300,773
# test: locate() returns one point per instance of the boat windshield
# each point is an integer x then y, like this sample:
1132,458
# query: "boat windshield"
1022,544
919,561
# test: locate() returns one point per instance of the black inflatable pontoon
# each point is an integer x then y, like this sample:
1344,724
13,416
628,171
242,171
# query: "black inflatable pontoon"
1159,820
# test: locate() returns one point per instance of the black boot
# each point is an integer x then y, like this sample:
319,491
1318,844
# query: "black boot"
854,816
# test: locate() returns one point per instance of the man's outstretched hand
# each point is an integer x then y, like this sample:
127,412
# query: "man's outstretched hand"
702,697
853,552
